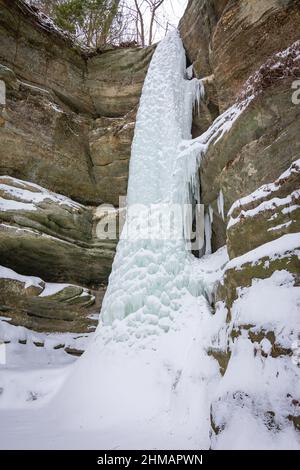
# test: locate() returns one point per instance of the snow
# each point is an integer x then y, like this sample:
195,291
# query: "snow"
255,382
161,402
255,300
9,205
26,195
52,288
271,204
282,62
276,249
291,209
266,190
33,374
280,227
47,23
28,281
255,435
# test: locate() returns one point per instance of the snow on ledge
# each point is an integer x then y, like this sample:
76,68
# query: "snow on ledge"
48,288
29,281
275,249
267,189
272,204
25,195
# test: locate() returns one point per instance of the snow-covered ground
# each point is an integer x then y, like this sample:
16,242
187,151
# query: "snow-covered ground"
154,396
158,396
257,394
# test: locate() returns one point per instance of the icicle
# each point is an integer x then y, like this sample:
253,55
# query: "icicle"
221,204
211,213
190,72
208,233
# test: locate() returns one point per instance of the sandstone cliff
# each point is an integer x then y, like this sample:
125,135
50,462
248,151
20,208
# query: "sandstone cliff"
67,125
250,180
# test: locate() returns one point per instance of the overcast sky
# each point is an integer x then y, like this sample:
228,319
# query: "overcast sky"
174,10
171,11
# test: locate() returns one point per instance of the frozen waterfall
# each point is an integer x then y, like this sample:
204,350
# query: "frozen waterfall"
141,380
151,270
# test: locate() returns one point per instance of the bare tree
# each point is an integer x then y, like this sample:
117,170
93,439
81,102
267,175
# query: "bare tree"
144,13
99,22
140,27
153,6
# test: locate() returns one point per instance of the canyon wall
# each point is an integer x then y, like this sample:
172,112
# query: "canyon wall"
66,129
248,54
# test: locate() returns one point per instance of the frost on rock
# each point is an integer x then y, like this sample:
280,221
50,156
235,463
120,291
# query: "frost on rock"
28,281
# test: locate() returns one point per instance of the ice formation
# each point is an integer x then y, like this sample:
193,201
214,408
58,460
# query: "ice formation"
221,205
152,268
133,375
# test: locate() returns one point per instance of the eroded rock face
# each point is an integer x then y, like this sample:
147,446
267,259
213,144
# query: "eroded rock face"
110,140
48,235
115,79
251,50
31,303
39,54
247,34
196,28
265,215
256,150
45,142
55,92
